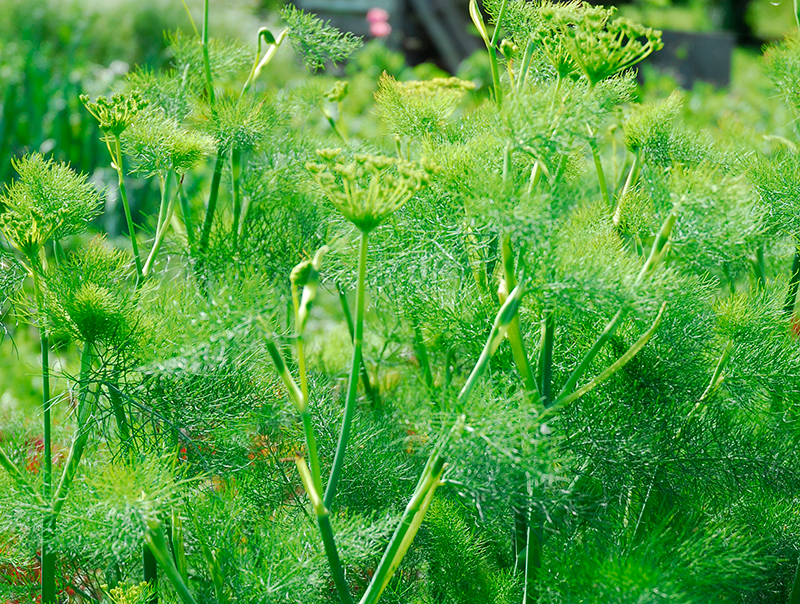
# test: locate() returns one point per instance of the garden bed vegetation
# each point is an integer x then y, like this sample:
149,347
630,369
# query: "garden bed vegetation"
531,339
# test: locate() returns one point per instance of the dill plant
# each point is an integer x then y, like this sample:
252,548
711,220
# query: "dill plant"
575,388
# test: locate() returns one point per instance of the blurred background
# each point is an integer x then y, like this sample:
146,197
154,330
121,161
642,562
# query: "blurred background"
51,51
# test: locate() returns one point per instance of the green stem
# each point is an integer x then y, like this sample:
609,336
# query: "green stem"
48,586
150,572
388,564
514,330
797,22
81,432
371,393
49,522
329,543
613,368
154,539
520,537
605,336
311,445
45,349
188,223
161,230
236,177
527,55
119,413
546,356
123,193
326,531
536,174
206,60
716,380
492,46
598,164
178,546
422,357
533,558
760,268
503,319
350,401
794,283
213,195
794,598
633,175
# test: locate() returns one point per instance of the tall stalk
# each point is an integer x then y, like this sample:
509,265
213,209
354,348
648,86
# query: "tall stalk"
794,283
211,208
116,155
352,385
48,587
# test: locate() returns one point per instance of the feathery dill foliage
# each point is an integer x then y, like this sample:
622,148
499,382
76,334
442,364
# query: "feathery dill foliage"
777,182
47,201
418,108
782,62
240,122
315,41
592,380
90,297
228,58
158,143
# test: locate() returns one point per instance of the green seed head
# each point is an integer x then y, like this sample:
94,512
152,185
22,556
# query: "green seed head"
117,113
370,188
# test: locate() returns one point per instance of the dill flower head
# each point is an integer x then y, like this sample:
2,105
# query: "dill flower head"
48,201
370,188
599,45
115,114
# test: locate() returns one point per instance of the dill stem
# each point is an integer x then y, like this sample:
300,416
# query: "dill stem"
188,224
760,268
211,208
119,413
633,174
206,60
331,552
520,536
236,177
81,432
164,218
156,544
533,557
116,156
598,164
150,572
514,334
408,525
498,93
350,401
372,395
794,283
48,586
546,357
